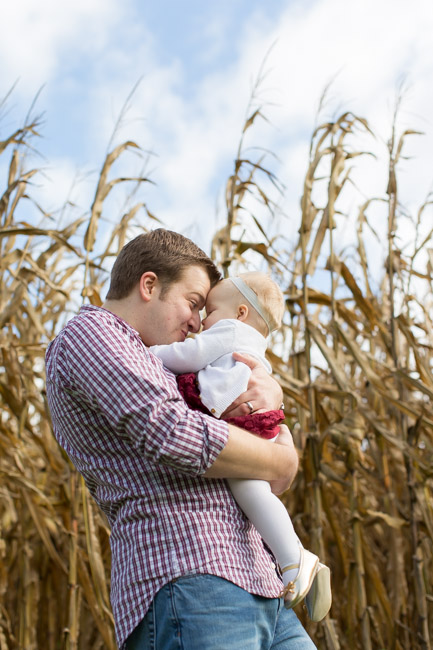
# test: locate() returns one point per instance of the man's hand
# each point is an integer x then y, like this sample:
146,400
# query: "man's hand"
284,438
263,392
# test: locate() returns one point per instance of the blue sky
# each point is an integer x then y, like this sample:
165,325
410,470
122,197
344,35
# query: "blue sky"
196,63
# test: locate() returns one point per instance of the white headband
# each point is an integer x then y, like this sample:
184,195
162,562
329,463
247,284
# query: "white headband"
252,298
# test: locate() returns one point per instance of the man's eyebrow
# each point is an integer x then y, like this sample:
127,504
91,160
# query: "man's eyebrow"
200,297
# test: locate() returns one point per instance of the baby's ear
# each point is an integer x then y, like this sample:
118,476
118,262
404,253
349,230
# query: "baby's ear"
242,312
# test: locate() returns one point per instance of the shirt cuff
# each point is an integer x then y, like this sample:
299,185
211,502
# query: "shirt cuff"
217,436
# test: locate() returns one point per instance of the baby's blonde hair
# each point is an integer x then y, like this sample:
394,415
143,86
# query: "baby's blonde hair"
269,294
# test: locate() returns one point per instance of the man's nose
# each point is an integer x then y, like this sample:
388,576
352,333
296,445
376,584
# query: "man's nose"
195,322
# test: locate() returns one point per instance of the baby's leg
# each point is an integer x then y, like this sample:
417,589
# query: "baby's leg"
269,516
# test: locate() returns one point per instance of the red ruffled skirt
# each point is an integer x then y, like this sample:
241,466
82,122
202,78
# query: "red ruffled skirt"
266,425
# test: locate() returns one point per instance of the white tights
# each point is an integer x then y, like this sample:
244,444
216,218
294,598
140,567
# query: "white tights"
271,519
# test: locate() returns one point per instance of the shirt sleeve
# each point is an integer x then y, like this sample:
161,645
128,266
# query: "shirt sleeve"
111,374
196,353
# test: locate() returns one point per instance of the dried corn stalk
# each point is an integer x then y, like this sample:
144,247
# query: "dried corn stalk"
355,366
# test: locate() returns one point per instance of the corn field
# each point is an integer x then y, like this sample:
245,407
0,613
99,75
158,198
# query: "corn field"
355,364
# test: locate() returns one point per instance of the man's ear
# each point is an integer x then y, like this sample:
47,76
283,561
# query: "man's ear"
147,285
242,312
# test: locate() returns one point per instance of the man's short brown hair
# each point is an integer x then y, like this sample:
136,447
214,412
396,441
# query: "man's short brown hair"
164,252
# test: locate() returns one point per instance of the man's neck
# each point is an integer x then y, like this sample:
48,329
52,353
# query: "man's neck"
124,309
115,306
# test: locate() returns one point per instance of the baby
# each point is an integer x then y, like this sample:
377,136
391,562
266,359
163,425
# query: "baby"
240,313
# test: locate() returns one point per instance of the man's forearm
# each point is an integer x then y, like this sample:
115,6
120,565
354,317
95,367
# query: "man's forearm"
248,456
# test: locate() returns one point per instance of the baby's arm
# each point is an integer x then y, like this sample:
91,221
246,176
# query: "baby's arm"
194,354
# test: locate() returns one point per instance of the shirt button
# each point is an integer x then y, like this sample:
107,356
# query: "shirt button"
212,411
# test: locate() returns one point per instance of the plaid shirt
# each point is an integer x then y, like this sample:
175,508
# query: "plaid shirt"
119,416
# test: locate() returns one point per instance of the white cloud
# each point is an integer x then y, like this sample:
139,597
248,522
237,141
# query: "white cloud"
41,38
193,123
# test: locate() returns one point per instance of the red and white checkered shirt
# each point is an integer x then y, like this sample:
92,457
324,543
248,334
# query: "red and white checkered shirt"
119,416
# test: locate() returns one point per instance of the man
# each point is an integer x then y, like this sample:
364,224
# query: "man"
188,570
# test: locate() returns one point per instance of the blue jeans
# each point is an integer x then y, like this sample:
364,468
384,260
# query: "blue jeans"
204,612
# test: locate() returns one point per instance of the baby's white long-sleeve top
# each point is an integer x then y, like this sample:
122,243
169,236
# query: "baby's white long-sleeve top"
221,379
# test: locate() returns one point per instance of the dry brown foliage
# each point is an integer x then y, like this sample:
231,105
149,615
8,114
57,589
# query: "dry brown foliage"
355,366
